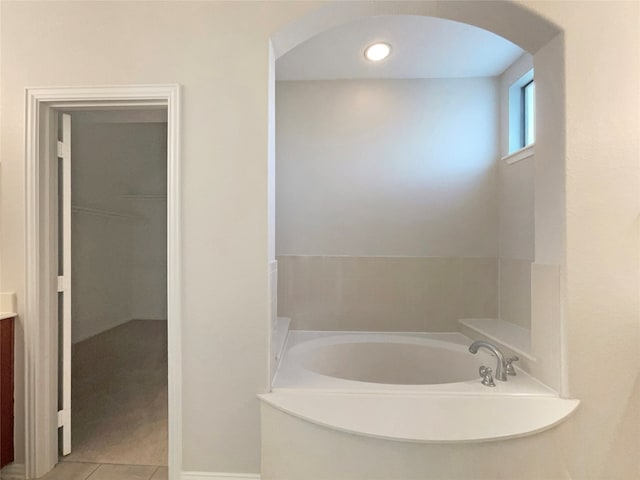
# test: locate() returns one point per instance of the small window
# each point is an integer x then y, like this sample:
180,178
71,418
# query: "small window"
528,114
522,112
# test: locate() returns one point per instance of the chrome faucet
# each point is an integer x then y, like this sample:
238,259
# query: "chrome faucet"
501,368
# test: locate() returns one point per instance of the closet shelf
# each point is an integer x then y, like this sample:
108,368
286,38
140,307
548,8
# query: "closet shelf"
147,196
103,213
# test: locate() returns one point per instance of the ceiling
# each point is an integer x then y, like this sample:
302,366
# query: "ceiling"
421,47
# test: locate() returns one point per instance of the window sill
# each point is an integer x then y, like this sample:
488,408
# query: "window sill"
519,155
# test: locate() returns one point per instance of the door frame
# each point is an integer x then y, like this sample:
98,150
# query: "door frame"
40,317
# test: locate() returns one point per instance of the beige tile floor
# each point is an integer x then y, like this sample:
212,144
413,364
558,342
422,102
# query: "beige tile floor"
119,401
94,471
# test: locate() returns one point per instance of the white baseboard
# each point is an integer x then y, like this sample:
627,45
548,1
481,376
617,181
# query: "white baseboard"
13,471
219,476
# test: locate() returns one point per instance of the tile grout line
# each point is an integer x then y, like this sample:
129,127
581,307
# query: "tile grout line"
153,473
93,471
108,463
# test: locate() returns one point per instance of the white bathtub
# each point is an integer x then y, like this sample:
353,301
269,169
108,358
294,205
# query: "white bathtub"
401,362
389,359
416,387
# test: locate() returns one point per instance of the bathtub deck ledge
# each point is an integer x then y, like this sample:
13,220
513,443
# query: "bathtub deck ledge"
426,418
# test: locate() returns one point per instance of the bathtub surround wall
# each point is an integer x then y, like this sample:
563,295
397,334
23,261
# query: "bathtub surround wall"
532,218
546,315
552,253
386,293
382,175
531,227
516,239
119,261
516,208
381,208
514,286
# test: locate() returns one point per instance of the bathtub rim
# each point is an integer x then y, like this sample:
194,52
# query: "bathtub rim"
292,377
301,354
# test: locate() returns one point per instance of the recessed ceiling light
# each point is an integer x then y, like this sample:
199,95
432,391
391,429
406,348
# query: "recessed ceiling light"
377,52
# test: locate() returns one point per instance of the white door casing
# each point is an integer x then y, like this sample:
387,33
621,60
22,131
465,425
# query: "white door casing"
41,285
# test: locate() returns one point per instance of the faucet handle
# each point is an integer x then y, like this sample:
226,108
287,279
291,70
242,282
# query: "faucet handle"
509,364
487,376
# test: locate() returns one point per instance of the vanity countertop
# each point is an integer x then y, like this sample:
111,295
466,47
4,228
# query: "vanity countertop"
4,315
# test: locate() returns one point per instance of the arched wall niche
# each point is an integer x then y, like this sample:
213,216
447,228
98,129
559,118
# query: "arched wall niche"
545,41
510,20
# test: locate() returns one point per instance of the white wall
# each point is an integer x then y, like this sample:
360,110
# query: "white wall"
148,183
218,51
387,167
118,264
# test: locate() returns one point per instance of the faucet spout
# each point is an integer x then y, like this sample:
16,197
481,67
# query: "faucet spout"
501,368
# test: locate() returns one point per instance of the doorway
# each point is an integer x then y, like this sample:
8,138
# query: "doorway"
112,286
44,303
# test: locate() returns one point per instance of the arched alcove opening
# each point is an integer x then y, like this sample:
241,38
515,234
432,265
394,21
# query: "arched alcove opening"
514,22
543,346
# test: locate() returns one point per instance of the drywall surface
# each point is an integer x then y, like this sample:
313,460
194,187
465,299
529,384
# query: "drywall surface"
516,203
147,190
516,206
602,310
387,167
218,52
100,284
516,191
394,294
119,268
550,175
